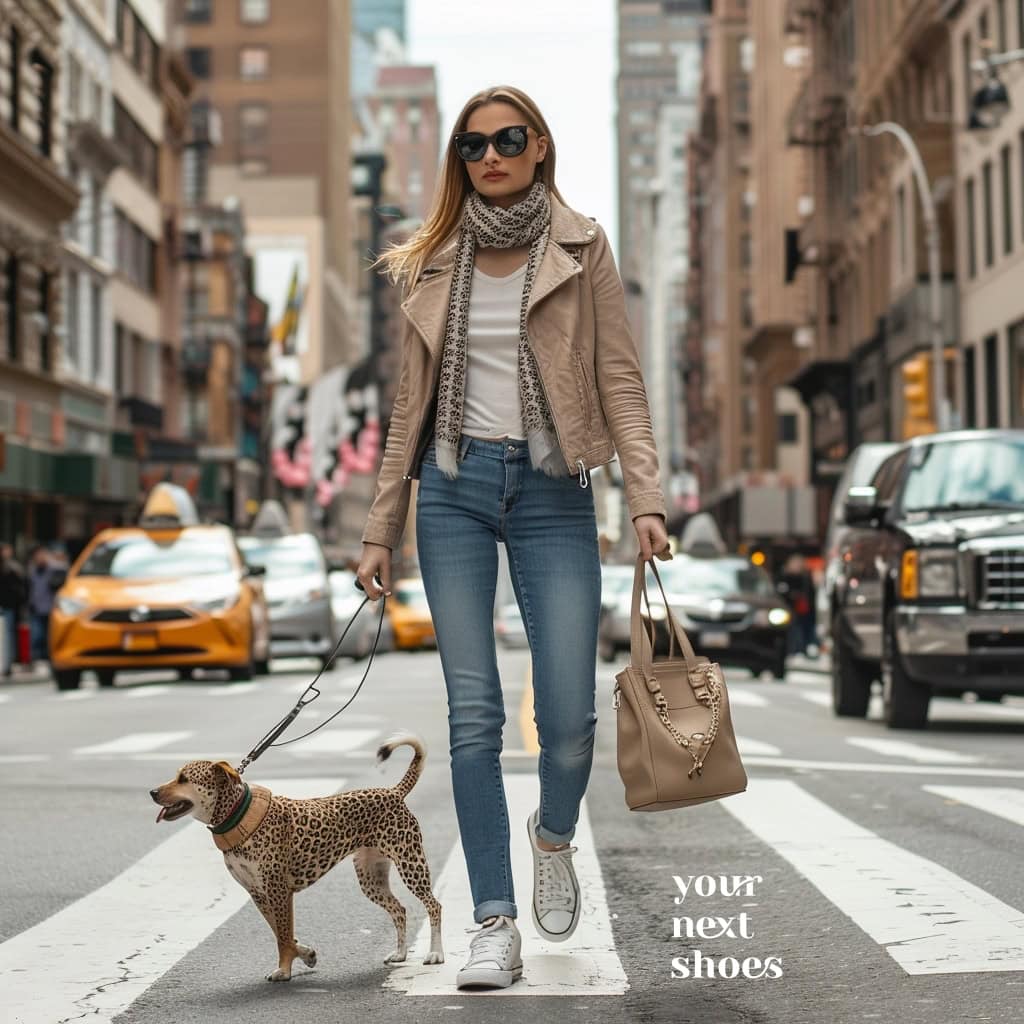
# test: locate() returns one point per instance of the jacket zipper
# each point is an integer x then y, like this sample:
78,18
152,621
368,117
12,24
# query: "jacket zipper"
587,408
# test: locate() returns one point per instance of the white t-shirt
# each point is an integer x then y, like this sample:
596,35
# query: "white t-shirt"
491,408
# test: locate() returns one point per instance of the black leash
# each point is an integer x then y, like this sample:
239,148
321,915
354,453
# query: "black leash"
268,739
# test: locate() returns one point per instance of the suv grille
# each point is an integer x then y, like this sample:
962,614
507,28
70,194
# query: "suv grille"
1002,578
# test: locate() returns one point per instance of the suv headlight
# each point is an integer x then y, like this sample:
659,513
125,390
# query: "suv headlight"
218,604
928,573
69,605
772,617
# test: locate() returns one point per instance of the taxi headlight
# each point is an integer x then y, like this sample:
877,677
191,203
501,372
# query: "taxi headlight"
218,604
70,605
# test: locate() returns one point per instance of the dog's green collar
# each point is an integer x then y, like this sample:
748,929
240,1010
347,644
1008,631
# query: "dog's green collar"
237,812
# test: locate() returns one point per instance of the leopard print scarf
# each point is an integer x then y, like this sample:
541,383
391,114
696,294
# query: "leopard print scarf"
525,223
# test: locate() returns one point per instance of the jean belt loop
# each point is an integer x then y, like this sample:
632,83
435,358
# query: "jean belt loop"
464,446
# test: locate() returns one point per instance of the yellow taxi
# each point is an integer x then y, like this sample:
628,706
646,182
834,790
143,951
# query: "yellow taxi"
169,593
410,615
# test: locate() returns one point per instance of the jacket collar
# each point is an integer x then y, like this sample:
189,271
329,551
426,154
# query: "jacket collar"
427,305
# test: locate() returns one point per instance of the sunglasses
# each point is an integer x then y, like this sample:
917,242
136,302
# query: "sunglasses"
511,141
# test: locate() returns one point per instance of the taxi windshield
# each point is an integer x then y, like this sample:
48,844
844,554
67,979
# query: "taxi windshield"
283,557
142,558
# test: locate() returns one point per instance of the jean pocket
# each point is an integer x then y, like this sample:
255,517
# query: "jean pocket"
430,455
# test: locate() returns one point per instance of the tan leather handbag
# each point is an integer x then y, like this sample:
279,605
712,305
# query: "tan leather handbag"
676,745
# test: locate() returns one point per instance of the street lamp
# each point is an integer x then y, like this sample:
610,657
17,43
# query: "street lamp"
931,227
991,103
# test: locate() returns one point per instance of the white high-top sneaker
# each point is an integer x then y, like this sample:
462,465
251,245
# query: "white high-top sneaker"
495,957
556,892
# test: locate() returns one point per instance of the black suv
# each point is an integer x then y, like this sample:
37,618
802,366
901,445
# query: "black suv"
930,595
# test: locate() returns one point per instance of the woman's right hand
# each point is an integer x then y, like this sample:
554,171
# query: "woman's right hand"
375,561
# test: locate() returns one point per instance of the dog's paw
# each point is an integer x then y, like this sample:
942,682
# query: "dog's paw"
398,957
434,957
308,958
279,975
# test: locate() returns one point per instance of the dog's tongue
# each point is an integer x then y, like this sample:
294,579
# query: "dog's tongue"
160,816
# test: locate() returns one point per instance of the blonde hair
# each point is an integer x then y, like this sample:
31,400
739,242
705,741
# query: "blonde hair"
404,261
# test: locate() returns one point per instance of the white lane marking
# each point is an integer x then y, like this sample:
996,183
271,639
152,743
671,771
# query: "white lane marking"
913,751
824,699
930,920
4,698
139,692
22,758
70,695
96,972
887,769
134,743
232,691
750,746
806,678
590,967
333,741
746,698
1004,802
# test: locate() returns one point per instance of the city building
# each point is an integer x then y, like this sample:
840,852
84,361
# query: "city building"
36,198
368,16
989,201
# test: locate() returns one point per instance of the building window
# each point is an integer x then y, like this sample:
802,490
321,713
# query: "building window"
95,219
1016,338
96,311
253,63
254,167
252,124
12,276
965,61
1007,199
1020,23
136,254
970,383
137,45
788,428
198,60
901,227
198,11
992,381
45,328
141,151
44,98
1001,24
972,247
15,72
989,229
71,319
254,12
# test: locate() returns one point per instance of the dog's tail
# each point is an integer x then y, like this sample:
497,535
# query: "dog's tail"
412,773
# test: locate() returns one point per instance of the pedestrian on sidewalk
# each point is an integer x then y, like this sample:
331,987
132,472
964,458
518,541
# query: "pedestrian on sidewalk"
42,586
13,592
518,377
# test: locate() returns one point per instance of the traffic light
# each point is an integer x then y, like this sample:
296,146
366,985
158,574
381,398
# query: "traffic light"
917,397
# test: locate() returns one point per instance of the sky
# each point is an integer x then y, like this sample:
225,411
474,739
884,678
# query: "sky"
560,52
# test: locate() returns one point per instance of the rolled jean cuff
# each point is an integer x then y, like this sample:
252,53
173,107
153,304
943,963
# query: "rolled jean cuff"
553,837
494,908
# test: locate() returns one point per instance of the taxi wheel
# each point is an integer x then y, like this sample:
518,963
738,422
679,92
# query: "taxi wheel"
242,673
67,678
105,676
262,668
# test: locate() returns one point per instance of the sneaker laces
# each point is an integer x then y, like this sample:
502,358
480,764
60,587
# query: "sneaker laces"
555,888
490,942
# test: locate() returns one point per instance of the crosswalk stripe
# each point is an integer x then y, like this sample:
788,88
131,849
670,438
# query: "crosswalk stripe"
333,741
232,691
140,692
911,751
750,746
4,698
823,699
1003,801
746,698
930,920
99,954
882,768
71,695
134,743
22,758
590,967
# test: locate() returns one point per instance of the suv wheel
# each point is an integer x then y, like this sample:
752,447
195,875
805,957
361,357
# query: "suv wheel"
851,680
905,702
606,649
67,678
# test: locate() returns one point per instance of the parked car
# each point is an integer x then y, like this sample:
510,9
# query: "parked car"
509,628
410,615
615,581
346,599
168,593
727,606
860,467
932,585
299,597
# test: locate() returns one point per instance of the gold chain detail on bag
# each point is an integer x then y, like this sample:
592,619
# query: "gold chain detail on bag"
712,697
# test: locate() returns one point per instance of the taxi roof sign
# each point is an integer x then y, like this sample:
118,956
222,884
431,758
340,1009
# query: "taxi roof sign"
271,520
169,505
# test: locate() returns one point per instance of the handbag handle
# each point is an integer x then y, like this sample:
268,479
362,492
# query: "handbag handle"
641,643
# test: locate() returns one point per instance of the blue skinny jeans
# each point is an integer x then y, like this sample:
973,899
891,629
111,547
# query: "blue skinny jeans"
549,530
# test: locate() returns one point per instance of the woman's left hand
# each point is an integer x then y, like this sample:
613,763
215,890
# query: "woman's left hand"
653,537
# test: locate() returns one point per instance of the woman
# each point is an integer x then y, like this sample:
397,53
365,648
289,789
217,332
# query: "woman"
519,376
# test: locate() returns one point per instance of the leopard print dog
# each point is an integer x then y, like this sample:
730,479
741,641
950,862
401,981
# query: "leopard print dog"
300,840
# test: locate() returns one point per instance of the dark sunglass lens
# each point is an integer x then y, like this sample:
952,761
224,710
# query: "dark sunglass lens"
510,141
471,146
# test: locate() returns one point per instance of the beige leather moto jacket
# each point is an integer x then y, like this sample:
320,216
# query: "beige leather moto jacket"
579,334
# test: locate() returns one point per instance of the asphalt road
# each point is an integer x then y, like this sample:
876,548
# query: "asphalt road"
884,868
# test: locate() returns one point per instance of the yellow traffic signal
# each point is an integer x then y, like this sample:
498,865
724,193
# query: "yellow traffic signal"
917,397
